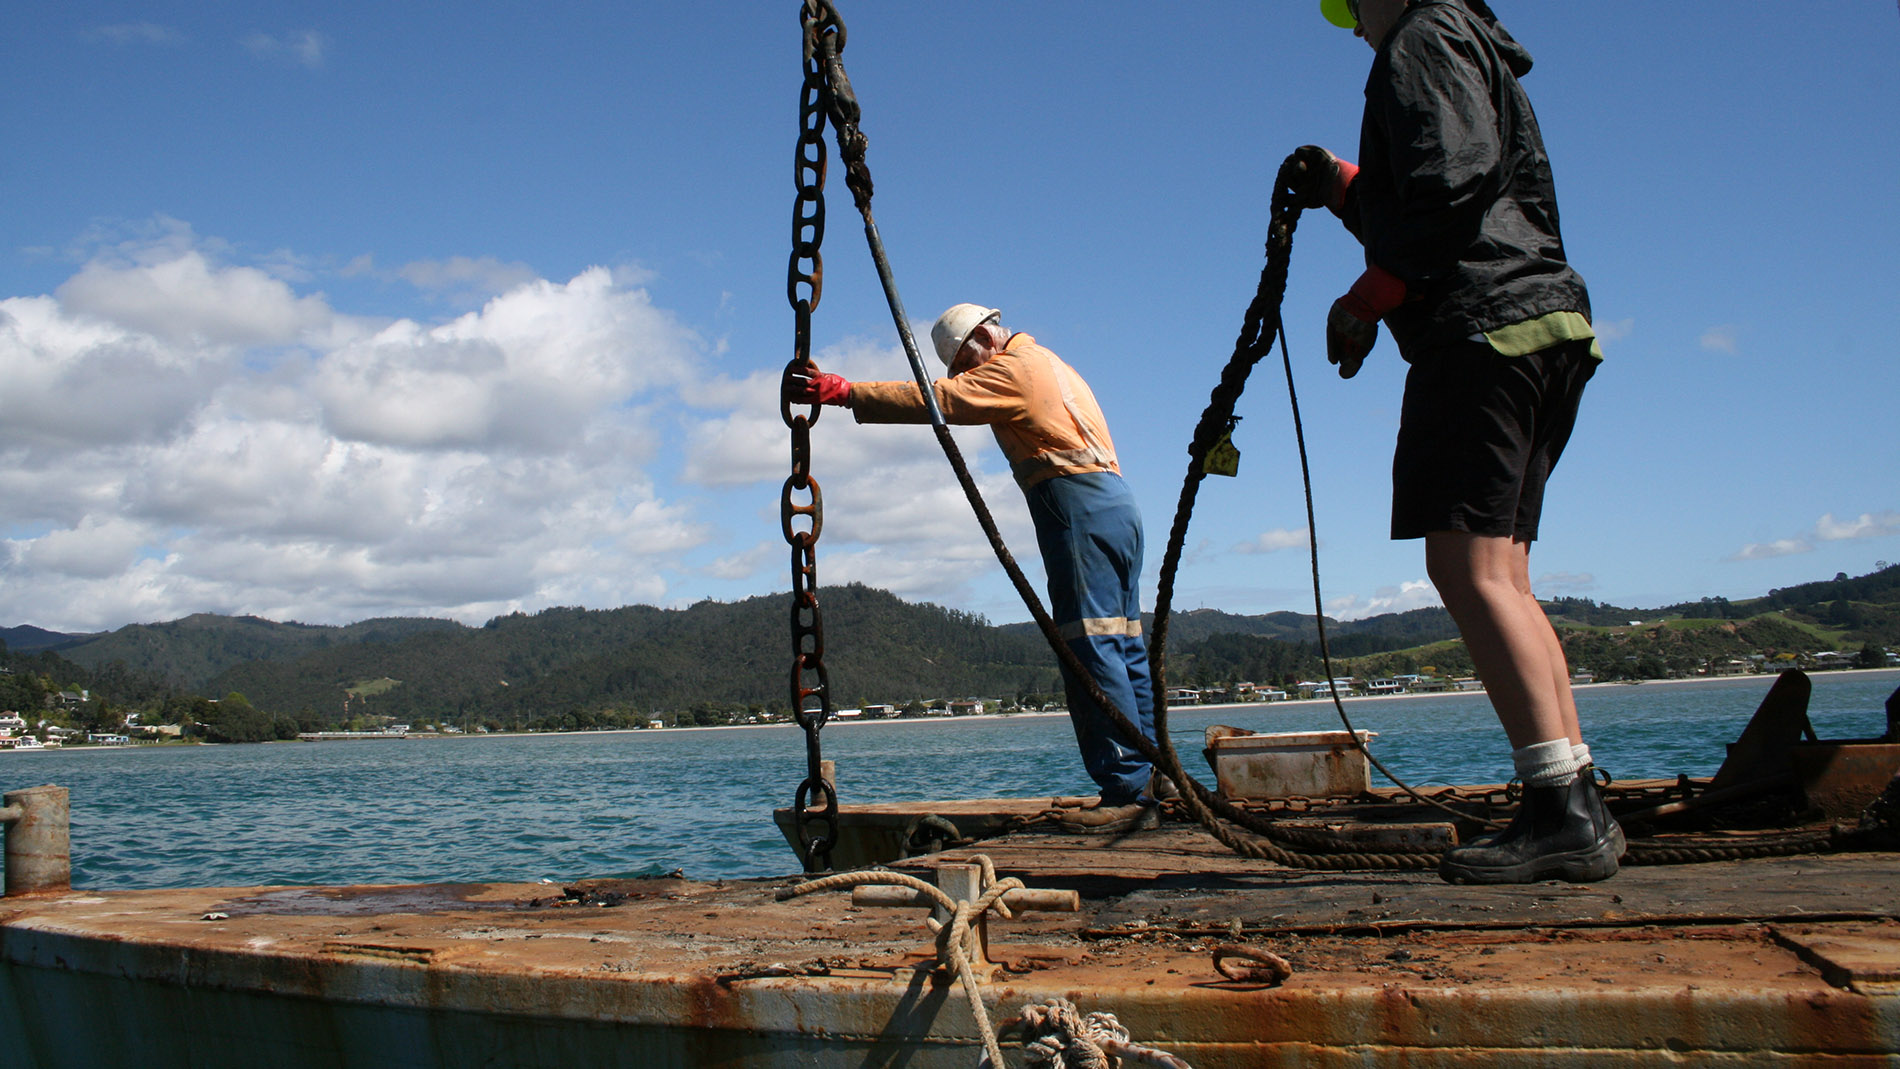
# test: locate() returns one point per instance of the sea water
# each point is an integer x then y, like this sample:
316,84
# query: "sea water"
561,807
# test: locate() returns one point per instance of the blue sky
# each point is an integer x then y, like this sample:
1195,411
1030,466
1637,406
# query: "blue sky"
329,311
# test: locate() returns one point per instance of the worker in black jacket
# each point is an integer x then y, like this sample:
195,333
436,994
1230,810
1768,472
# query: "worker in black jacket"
1454,202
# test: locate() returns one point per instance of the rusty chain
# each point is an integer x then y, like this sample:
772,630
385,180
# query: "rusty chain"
827,96
815,807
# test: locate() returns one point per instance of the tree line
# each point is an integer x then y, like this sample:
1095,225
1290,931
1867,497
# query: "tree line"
245,679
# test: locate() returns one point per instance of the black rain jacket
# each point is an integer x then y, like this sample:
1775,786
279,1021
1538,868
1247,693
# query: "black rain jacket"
1454,193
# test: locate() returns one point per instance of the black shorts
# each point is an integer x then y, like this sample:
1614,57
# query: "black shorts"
1479,435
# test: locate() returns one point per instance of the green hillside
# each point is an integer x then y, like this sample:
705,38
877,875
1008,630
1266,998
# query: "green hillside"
577,668
522,669
190,652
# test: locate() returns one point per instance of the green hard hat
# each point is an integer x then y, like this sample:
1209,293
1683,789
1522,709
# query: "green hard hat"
1337,13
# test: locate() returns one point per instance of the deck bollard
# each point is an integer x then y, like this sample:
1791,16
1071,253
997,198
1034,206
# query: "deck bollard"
39,846
964,883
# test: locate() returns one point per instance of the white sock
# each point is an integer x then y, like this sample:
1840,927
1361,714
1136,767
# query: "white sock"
1581,751
1545,764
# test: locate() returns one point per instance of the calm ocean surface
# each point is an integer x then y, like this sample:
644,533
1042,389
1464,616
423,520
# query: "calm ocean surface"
561,807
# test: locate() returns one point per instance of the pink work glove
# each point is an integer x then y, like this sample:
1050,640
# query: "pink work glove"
1352,327
1319,178
821,389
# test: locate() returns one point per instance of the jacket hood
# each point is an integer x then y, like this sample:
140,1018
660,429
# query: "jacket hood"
1515,55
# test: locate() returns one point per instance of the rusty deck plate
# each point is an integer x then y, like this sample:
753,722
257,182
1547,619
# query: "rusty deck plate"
1788,961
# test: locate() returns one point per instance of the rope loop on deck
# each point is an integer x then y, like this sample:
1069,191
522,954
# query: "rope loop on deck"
1057,1035
957,946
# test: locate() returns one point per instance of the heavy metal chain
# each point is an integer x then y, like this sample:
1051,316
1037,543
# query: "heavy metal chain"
827,96
815,807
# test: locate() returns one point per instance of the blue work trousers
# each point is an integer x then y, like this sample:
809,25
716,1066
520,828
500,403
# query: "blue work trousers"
1089,530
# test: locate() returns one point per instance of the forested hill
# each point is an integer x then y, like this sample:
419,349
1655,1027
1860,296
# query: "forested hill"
631,661
29,639
189,653
521,668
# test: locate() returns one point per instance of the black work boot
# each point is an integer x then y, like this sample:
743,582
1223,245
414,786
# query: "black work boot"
1558,833
1617,843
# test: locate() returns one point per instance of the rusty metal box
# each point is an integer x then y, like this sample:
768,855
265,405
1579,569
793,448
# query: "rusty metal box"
1288,764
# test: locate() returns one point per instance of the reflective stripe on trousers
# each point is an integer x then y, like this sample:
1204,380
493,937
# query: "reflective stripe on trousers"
1089,531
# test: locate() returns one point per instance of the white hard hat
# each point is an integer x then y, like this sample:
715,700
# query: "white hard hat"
953,328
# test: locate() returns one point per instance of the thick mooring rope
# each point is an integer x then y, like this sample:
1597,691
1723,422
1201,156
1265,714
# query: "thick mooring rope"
1265,839
957,944
845,113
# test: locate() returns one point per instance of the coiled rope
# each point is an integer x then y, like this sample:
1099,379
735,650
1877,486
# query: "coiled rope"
1056,1036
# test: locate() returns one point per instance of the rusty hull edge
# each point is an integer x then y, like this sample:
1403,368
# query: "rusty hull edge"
296,1009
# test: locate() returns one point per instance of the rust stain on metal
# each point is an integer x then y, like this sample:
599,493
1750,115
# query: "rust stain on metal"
726,974
419,955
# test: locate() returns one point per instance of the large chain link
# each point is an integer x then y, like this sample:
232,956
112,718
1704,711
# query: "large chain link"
815,808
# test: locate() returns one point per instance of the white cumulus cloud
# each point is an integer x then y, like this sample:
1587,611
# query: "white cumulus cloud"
179,434
188,300
1866,525
1826,529
1413,594
527,371
1780,547
1274,540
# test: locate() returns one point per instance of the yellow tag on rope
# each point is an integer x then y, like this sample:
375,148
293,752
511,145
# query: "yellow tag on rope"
1222,457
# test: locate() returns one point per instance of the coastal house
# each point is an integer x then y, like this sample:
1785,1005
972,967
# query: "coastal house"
966,707
1342,686
11,722
1385,686
1183,696
107,738
880,712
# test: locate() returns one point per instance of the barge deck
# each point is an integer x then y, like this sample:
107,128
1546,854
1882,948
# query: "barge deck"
1789,961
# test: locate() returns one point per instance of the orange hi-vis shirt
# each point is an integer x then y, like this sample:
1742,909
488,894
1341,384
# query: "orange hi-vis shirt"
1043,415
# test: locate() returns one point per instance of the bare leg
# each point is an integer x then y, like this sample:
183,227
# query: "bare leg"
1562,828
1485,583
1560,664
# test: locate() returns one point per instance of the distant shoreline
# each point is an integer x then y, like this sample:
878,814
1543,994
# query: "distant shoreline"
834,722
1760,677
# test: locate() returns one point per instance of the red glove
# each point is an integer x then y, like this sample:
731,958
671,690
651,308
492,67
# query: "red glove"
1352,327
823,389
1318,179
